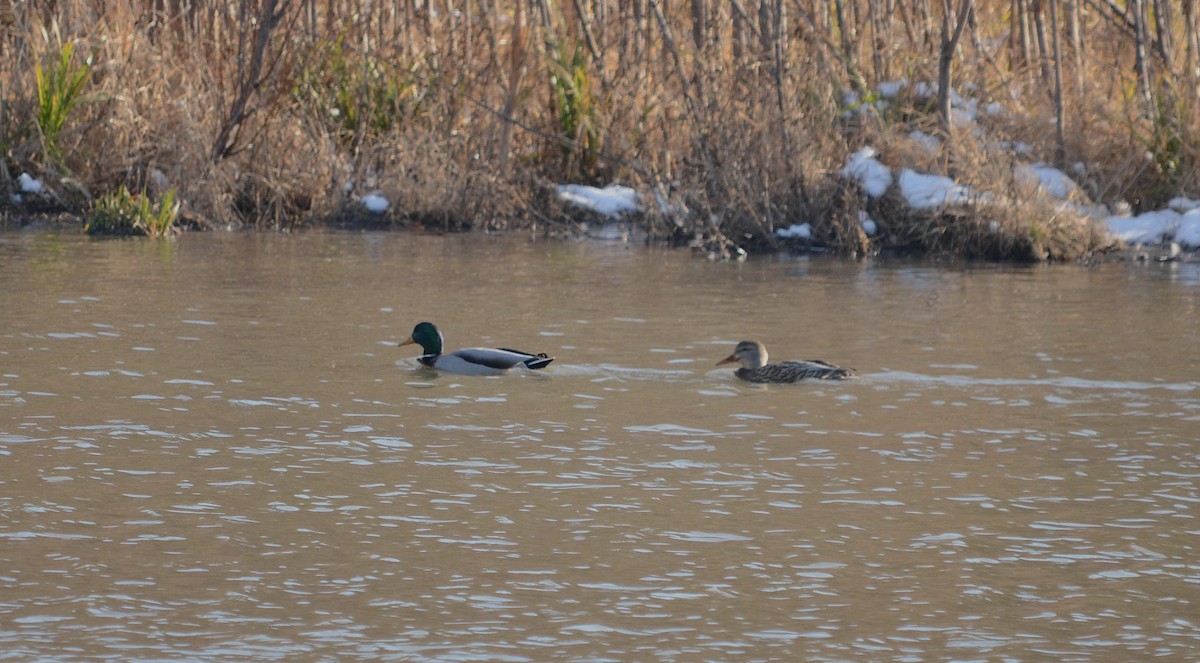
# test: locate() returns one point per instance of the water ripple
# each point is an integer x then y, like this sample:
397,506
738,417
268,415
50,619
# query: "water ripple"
1081,384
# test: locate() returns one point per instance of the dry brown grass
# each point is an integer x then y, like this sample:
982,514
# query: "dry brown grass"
691,106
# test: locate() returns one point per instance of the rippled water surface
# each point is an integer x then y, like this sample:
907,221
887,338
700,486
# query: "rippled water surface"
212,448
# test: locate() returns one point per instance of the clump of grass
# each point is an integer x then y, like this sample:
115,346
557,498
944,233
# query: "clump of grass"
575,106
123,213
60,88
1030,227
357,93
1166,141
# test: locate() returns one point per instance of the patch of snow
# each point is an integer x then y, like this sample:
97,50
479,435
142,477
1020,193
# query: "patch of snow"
874,177
963,112
931,143
376,203
1182,205
868,225
1052,180
29,184
1147,228
963,116
928,191
797,231
994,108
1188,233
925,89
890,89
1015,146
612,200
928,90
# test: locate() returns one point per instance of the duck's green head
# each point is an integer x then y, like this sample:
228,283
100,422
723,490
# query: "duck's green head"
426,335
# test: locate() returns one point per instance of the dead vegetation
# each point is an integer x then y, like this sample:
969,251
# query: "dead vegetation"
732,119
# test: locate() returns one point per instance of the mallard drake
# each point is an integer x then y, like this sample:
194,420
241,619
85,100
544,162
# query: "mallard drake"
752,355
469,361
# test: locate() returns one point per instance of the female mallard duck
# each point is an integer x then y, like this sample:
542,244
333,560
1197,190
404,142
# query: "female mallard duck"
469,361
752,355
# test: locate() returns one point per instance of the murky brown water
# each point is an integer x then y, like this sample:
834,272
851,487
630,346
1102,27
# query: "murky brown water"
212,448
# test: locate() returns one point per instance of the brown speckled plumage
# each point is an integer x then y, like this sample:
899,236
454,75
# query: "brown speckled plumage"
752,355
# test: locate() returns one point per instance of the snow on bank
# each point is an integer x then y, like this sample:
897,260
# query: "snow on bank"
1157,227
29,184
612,200
376,203
1148,228
868,225
804,230
796,231
920,191
868,171
1188,232
1052,180
1179,223
963,111
923,191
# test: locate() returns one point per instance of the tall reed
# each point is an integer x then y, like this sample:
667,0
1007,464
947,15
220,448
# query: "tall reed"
60,89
